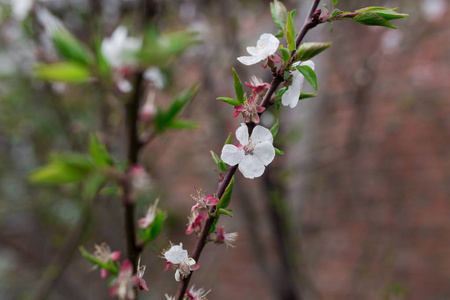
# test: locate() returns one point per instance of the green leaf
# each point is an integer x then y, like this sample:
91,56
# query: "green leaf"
285,54
63,168
278,151
110,266
386,13
286,75
371,18
231,101
238,88
290,31
62,72
228,141
309,50
100,155
180,124
274,129
110,191
220,164
226,197
101,61
154,229
92,184
166,119
309,74
161,49
335,2
213,226
336,12
306,95
279,14
227,212
69,47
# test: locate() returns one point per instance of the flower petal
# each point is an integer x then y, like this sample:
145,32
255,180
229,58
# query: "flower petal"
252,51
176,254
231,155
249,60
177,275
267,44
242,134
261,134
264,152
251,167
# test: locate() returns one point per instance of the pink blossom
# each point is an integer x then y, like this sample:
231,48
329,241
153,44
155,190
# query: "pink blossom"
103,253
250,110
194,294
124,285
257,85
228,238
195,222
146,221
203,202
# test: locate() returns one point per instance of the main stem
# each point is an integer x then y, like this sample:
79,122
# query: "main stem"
128,200
277,79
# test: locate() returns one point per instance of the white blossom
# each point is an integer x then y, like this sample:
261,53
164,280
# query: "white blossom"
265,47
181,260
154,75
21,8
291,96
119,47
253,154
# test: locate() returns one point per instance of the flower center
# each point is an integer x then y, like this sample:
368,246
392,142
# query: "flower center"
249,147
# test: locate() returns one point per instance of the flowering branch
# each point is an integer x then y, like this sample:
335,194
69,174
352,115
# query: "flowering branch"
266,102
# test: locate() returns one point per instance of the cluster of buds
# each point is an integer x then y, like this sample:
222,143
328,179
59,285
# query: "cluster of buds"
200,211
180,260
251,110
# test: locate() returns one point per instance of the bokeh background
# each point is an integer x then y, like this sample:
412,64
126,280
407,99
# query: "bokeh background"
357,208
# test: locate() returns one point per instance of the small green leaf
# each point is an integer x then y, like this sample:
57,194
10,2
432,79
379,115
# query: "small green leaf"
274,129
220,164
154,229
62,72
279,14
285,54
290,31
309,74
180,124
69,47
110,266
226,197
228,141
231,101
309,50
227,212
336,12
371,18
386,13
213,226
306,95
63,168
110,191
98,151
278,151
238,87
335,2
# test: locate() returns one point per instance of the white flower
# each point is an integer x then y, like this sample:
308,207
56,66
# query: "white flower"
266,46
169,297
118,48
154,75
21,8
180,259
253,153
291,96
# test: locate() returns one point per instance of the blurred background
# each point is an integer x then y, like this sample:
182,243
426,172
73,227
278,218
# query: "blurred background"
357,208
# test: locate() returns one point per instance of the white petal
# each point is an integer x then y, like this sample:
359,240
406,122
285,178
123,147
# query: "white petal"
191,261
308,63
153,74
231,155
176,254
252,51
261,134
242,134
249,60
177,275
119,36
290,97
251,167
124,86
267,44
264,152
